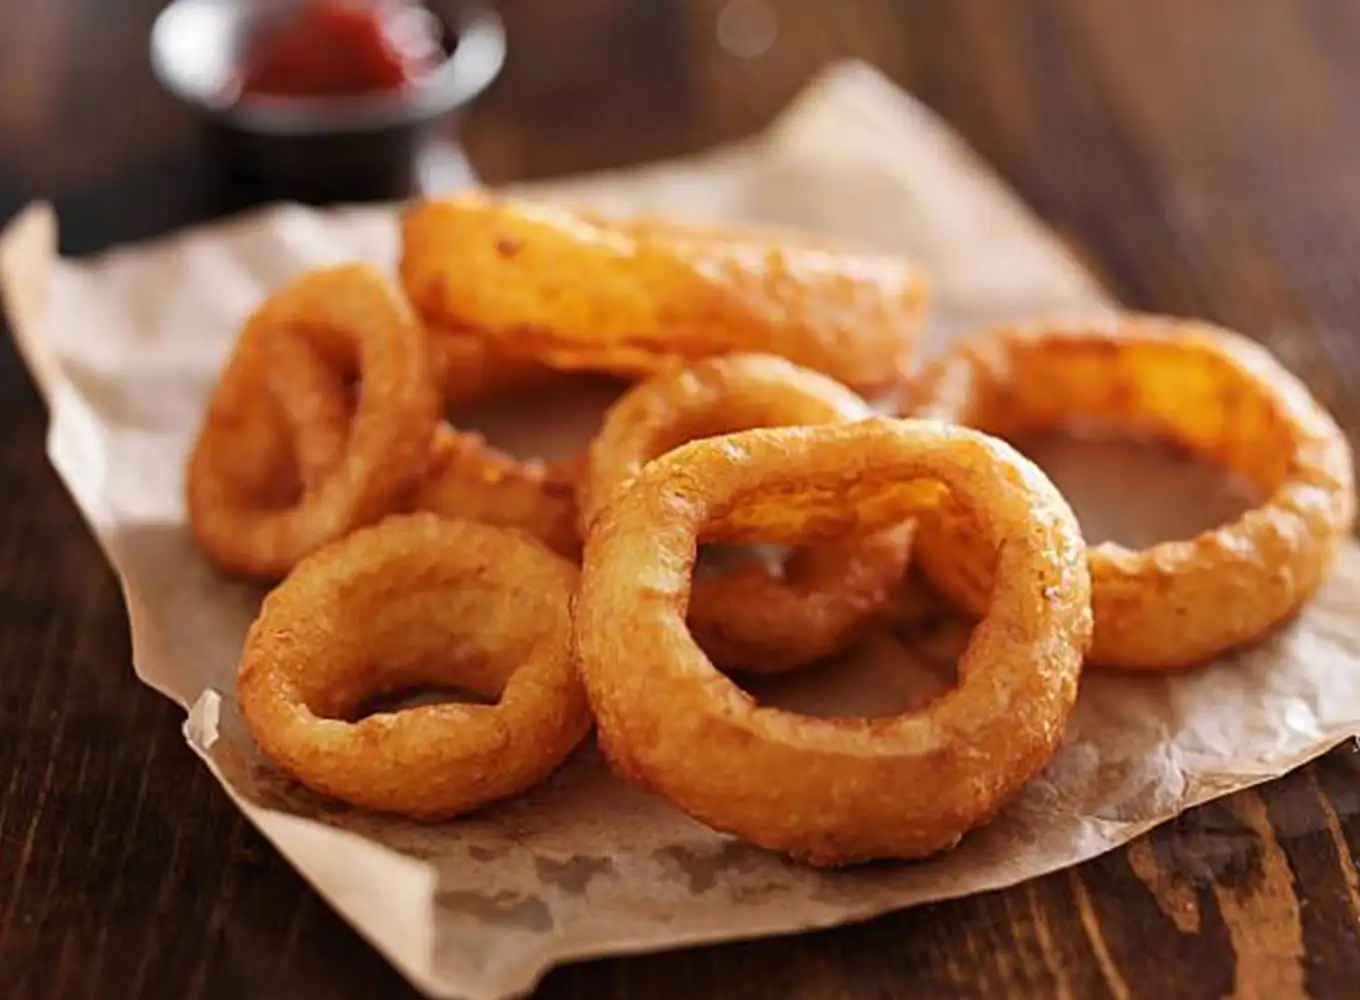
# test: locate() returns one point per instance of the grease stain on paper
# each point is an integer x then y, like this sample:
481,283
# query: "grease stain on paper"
574,874
508,910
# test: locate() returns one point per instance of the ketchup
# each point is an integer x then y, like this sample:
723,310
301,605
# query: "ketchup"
335,48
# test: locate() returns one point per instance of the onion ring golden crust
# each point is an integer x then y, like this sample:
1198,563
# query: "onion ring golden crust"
576,292
1218,395
404,604
262,465
467,369
314,402
470,480
747,617
831,790
317,403
354,320
466,479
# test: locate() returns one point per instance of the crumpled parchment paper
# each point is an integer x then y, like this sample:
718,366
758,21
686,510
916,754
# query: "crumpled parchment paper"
125,347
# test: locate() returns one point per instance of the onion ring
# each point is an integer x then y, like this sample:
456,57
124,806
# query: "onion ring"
573,291
1215,393
745,617
403,604
831,791
353,319
466,479
465,369
317,403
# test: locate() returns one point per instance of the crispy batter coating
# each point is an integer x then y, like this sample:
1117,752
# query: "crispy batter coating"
831,790
748,616
466,478
313,399
1212,392
573,291
471,480
417,601
467,368
353,320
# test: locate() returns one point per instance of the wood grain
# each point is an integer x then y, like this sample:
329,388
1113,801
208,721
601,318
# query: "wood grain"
1204,158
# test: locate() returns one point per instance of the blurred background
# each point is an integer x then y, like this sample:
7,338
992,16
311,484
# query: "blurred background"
1054,92
1203,157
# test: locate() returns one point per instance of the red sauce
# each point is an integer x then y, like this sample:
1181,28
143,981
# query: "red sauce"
334,48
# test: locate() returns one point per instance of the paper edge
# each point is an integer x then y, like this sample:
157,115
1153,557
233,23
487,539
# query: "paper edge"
554,958
415,879
28,259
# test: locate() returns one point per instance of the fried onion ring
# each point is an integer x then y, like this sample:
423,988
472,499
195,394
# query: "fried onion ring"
400,605
576,292
831,790
352,318
467,478
317,404
745,617
1218,395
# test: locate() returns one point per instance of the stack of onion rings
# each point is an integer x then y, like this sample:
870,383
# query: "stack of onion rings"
1212,392
831,791
324,434
745,617
407,604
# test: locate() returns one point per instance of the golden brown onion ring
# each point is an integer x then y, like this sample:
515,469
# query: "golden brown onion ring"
831,790
317,403
405,604
1212,392
354,321
573,291
466,478
746,616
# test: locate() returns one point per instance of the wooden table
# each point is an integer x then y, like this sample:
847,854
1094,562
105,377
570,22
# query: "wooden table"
1204,157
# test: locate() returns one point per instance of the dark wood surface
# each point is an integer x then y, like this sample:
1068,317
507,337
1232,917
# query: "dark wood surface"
1203,157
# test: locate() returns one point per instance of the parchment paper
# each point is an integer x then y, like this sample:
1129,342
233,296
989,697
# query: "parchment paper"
125,346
